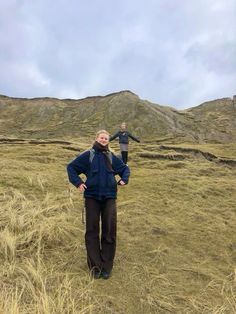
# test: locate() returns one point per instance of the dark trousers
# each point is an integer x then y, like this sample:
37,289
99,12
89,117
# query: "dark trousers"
124,157
100,251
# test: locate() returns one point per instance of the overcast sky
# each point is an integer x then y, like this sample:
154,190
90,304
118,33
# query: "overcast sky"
171,52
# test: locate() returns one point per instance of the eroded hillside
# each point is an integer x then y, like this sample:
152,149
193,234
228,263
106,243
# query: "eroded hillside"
39,118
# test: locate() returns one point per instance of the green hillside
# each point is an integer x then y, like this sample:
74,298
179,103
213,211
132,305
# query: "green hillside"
176,248
62,119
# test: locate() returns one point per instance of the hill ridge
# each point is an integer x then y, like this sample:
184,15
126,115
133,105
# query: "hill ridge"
211,121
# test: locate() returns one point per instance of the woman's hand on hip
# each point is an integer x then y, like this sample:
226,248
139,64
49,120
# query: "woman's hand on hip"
82,187
122,182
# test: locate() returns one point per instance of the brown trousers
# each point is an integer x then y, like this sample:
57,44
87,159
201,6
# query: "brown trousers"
100,250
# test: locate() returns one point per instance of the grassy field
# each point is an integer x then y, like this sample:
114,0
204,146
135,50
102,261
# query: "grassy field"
176,250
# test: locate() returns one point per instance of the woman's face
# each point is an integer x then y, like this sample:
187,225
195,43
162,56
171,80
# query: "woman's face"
103,139
123,126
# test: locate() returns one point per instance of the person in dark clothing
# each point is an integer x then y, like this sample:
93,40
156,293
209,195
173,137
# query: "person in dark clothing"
100,191
124,136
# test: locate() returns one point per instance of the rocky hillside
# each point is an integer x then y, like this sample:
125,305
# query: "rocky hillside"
38,118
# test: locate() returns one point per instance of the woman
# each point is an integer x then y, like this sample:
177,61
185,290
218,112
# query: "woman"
100,190
124,135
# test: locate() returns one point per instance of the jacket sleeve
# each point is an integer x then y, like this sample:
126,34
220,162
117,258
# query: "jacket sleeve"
121,169
114,136
78,166
133,138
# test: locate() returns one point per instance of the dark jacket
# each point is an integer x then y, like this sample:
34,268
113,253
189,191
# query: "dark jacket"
124,137
100,180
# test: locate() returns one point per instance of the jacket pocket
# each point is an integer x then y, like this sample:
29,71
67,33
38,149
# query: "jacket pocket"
92,179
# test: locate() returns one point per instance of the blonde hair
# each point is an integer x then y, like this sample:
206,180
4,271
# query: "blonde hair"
105,132
102,132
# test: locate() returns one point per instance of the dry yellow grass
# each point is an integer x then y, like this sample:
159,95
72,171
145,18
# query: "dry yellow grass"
176,236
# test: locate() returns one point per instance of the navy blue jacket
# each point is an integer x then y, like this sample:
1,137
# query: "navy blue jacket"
123,137
100,181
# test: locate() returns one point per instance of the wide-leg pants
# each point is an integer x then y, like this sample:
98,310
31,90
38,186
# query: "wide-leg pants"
100,245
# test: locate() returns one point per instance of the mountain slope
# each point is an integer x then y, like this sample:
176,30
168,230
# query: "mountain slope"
66,118
216,119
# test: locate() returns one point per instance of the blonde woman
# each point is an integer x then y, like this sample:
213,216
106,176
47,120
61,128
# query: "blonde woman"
124,136
100,191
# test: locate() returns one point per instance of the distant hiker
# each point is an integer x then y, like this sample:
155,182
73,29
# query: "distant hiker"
100,191
124,135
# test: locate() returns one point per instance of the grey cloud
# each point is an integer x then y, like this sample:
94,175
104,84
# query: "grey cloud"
218,57
161,50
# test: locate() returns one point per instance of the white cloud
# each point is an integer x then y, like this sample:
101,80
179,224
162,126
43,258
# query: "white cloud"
164,51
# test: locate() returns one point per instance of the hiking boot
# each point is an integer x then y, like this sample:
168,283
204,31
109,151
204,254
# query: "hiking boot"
96,274
105,274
